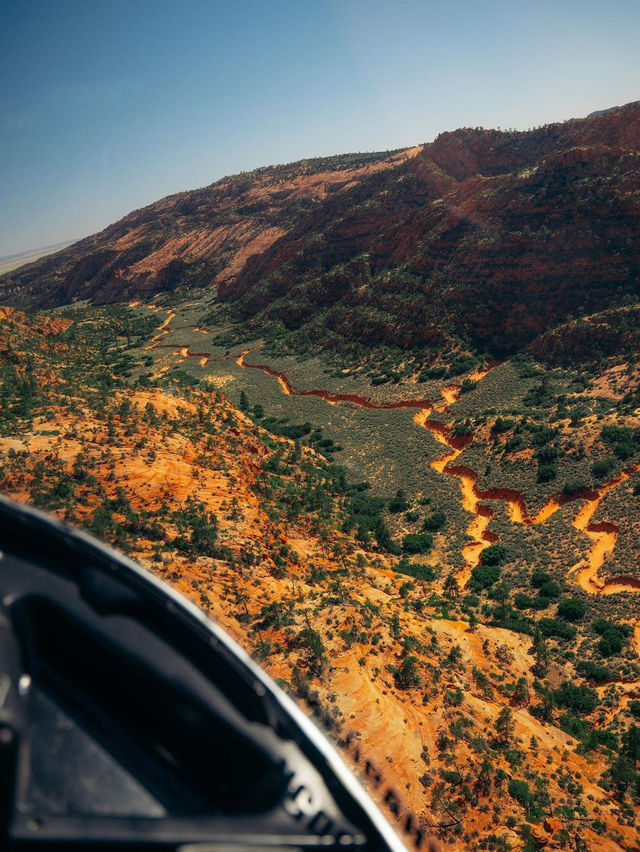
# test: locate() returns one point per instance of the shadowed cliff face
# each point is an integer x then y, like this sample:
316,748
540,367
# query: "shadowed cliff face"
498,237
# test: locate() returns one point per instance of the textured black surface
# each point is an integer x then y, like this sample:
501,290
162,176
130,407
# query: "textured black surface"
128,720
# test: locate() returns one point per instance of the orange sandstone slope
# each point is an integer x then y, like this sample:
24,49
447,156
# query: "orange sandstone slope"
429,744
248,526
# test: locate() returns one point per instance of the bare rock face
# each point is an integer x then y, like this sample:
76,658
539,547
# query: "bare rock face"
498,237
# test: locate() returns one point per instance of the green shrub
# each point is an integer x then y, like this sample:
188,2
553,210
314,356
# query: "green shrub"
614,636
554,627
364,513
462,428
547,454
524,601
406,675
572,609
519,790
550,589
539,578
311,640
574,486
515,625
602,468
589,737
625,441
432,373
435,521
411,569
580,699
484,576
501,425
543,435
417,542
594,672
547,473
624,451
462,364
398,503
617,435
495,554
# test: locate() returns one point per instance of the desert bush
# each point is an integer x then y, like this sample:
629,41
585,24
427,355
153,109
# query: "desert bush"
412,569
417,542
398,503
556,628
435,521
406,674
594,672
572,609
495,554
484,576
613,636
602,468
580,699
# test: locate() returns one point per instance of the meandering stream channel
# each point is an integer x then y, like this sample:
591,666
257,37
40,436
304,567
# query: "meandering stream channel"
603,534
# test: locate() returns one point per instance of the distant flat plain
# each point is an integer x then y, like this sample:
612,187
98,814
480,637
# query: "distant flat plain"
9,262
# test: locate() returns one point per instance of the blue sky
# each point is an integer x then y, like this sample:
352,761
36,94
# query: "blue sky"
108,106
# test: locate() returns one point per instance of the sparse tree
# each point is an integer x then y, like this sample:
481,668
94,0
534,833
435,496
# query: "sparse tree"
541,654
451,587
407,674
631,744
504,726
521,692
622,775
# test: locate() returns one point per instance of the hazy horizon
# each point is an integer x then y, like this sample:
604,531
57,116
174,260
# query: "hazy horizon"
105,110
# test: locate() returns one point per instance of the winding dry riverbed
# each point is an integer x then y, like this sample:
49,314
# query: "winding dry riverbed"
603,534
